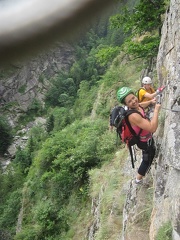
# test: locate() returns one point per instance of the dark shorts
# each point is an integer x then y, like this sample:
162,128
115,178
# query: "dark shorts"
148,153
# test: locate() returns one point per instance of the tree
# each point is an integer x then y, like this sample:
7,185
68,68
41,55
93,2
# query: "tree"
6,135
23,159
50,123
142,24
106,54
62,91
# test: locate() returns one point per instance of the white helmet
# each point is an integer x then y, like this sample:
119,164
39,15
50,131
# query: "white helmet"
147,80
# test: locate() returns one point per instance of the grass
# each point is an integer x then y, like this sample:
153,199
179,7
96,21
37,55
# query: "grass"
164,232
104,205
106,185
7,71
22,89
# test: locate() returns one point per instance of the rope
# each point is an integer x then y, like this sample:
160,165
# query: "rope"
168,109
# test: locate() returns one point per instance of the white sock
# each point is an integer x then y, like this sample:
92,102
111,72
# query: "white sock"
138,180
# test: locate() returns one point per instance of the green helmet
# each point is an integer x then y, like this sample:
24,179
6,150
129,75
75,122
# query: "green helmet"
123,92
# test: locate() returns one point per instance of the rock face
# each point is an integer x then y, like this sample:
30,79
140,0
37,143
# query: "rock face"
167,177
166,173
31,80
27,81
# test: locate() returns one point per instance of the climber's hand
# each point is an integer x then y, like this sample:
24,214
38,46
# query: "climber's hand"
153,101
160,89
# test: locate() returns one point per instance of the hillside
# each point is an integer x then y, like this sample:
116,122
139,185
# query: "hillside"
67,178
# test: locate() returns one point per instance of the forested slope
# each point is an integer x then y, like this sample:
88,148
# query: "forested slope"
53,186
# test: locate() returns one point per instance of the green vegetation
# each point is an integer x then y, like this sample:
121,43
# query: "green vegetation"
7,106
34,110
106,54
164,232
142,26
106,186
41,78
50,123
72,159
144,214
61,167
7,71
23,160
22,89
6,135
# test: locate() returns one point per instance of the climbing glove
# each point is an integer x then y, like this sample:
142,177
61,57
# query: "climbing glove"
160,89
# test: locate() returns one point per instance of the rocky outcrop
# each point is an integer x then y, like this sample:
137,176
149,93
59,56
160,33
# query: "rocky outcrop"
165,211
167,176
20,140
138,204
21,83
96,212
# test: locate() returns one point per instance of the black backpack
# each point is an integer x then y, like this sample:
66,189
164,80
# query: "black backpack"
119,119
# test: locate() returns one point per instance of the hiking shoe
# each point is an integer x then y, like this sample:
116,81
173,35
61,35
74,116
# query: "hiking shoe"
137,182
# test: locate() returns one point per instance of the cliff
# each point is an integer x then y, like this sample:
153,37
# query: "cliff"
167,176
165,173
24,82
30,81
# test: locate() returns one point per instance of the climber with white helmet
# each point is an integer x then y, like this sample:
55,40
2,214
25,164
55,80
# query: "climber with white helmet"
146,94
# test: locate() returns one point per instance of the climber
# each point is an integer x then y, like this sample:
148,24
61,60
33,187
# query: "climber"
126,96
146,94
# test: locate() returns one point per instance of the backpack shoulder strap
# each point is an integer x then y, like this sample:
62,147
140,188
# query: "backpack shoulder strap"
129,112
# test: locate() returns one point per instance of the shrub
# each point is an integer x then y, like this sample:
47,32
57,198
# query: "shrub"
35,107
50,123
164,232
23,159
11,209
6,135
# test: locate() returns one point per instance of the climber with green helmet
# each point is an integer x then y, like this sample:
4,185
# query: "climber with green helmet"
142,125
